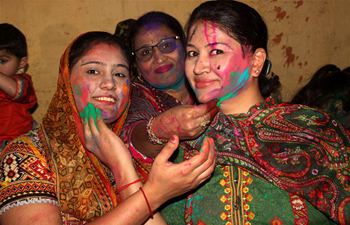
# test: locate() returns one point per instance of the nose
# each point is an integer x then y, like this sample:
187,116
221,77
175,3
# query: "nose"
158,55
108,82
202,65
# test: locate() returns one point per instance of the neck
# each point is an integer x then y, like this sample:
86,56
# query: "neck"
181,93
241,103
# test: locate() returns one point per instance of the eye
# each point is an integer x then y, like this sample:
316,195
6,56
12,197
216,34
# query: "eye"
216,52
120,75
145,51
3,61
92,72
190,54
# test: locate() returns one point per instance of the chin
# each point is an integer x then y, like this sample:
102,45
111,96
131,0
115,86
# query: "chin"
207,97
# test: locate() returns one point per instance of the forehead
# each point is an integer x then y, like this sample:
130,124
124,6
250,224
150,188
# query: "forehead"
5,52
152,34
207,30
105,51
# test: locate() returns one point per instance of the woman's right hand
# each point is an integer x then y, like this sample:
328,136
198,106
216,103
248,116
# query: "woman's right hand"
185,121
167,180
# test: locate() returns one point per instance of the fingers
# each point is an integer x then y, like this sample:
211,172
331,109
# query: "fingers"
203,160
168,149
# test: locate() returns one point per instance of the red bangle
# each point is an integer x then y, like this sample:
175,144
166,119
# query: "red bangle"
121,188
148,205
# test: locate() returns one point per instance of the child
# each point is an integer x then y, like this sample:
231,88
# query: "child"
17,95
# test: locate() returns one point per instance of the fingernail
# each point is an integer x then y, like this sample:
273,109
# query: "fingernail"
173,139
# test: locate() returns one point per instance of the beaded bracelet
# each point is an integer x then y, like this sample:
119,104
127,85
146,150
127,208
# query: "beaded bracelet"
148,205
151,136
128,185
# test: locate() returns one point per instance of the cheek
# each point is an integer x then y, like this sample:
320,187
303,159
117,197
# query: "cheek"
81,95
123,96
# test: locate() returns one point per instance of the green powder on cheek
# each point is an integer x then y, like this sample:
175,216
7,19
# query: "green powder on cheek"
76,90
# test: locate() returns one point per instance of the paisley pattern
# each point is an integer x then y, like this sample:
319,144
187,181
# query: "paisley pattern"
297,161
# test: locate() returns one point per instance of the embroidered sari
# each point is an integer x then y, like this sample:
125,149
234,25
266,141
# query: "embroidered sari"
51,165
277,164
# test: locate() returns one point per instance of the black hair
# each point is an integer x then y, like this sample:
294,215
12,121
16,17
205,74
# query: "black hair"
246,26
13,40
327,84
158,18
86,41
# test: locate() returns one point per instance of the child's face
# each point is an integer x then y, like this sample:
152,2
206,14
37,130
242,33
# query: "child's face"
9,63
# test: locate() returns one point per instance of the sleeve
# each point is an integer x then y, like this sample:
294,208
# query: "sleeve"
25,176
25,92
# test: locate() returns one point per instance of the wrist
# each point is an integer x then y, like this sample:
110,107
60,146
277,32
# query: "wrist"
152,136
155,199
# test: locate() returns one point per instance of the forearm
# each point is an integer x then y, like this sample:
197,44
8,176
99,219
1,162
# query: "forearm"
132,211
8,85
142,143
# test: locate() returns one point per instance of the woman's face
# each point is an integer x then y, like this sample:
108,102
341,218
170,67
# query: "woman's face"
101,77
215,64
161,70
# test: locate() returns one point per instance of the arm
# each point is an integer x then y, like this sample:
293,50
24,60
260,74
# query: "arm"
185,121
133,210
8,85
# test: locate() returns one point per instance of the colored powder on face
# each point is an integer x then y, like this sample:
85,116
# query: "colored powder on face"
76,90
90,111
240,83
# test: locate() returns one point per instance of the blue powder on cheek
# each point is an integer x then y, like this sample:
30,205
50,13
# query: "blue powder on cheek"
240,83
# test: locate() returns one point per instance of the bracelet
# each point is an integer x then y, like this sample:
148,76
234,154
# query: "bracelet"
151,136
121,188
148,205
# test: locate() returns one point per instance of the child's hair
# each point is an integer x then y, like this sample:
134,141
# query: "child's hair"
13,40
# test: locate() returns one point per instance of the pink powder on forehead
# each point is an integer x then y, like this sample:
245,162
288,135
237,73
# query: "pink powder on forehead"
207,25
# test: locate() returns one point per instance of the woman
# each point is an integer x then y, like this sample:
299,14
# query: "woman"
277,163
50,177
161,102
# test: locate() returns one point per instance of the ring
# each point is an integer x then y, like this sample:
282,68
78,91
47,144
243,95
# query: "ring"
205,123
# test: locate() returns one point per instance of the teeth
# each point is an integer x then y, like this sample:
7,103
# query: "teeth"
106,99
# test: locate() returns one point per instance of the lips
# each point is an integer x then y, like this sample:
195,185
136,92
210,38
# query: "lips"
163,69
203,83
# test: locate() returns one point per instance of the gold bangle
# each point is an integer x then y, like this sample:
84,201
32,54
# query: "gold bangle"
151,136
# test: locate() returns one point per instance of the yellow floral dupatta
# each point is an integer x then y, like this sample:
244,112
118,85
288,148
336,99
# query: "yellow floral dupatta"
84,189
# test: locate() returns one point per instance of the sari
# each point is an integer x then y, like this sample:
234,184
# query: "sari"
277,164
51,165
146,102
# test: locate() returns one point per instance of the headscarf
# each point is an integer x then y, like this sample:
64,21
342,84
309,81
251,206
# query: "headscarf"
83,185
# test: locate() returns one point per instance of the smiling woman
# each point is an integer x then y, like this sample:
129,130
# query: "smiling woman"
162,103
291,158
73,168
102,78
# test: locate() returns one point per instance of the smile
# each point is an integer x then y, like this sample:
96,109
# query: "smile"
105,99
203,83
163,69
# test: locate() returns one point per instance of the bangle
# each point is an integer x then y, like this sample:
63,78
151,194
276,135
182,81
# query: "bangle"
148,205
121,188
151,136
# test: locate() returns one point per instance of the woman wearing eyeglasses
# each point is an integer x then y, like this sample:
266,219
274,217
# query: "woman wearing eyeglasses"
162,103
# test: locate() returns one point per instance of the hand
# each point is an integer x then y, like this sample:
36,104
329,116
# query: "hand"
185,121
167,180
105,144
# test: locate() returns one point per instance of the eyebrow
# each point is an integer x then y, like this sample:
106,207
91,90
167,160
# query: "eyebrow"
216,43
104,64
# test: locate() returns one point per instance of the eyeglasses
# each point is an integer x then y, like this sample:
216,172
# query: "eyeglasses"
166,45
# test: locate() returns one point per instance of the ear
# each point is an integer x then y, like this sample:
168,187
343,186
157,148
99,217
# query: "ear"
23,63
258,61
